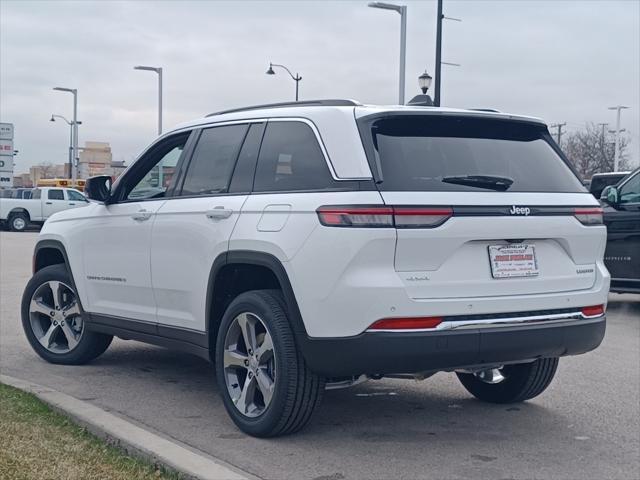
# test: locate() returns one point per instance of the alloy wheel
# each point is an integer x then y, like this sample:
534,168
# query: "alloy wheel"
249,364
19,223
55,317
491,375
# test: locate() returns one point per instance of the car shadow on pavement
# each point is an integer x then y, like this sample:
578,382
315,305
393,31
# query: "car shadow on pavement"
376,411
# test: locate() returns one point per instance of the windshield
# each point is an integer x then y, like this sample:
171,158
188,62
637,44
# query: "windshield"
439,153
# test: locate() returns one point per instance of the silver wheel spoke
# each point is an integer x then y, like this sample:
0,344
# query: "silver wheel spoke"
491,376
38,306
69,334
234,359
265,384
250,375
62,314
56,291
247,395
265,351
248,329
72,310
45,340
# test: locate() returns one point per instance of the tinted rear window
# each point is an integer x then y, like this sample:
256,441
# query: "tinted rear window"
418,152
291,160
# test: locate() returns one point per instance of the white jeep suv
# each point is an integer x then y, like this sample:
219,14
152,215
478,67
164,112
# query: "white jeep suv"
313,245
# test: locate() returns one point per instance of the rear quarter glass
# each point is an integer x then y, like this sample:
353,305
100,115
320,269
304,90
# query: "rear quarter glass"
416,152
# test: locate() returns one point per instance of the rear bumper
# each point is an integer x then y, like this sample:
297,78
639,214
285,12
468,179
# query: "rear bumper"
413,352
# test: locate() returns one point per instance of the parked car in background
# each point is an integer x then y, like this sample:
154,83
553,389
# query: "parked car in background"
16,193
601,180
18,213
622,217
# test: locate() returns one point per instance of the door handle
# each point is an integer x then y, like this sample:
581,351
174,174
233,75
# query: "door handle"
141,215
71,203
219,213
49,203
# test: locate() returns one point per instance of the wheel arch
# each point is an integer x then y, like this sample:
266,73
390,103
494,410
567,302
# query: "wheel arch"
52,252
19,210
223,286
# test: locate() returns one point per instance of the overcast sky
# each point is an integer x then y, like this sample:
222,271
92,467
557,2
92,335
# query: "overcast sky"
563,61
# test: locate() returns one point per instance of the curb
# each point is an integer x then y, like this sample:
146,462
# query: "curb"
189,462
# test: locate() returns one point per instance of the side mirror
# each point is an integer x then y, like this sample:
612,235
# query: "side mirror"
98,188
610,195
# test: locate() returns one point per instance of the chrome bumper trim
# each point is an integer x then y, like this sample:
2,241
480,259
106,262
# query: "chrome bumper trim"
496,322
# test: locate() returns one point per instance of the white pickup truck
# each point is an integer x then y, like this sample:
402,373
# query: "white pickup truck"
17,214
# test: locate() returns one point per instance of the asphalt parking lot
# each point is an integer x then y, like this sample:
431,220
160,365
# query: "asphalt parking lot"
586,425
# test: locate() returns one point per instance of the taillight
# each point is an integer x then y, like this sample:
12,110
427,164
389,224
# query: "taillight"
372,216
589,216
409,323
593,311
421,217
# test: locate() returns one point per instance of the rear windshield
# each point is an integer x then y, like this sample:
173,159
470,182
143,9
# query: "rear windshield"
438,153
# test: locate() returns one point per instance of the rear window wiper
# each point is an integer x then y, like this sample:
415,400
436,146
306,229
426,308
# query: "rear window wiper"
481,181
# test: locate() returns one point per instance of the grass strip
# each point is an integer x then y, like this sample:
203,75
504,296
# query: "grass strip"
37,443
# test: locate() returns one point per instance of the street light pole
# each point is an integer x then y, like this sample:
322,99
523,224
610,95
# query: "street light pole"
436,93
71,125
74,128
296,78
158,70
616,158
402,10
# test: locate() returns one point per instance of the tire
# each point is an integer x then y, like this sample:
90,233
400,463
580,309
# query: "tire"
18,222
296,391
521,382
69,342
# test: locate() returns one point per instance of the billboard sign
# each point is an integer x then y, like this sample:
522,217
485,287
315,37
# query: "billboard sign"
6,131
6,179
6,147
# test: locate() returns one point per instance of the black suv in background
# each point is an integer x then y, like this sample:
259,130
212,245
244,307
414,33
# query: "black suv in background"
600,181
622,217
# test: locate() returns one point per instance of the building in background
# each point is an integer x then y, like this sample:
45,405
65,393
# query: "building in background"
6,155
23,180
96,159
48,170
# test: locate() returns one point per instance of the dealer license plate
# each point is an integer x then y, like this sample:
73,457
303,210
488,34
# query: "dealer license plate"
513,260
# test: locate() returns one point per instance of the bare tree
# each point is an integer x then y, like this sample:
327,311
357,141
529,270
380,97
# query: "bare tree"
591,150
47,170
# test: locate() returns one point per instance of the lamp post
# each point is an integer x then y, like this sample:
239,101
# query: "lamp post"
296,78
424,82
424,100
158,70
616,158
402,10
74,130
71,125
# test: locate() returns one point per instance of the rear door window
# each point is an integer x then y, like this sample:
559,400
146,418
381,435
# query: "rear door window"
291,160
436,153
213,159
56,194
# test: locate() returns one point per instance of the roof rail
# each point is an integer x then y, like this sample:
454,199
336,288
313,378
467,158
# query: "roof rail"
303,103
485,110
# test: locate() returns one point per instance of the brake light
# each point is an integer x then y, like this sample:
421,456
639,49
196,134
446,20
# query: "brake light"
383,216
355,216
421,217
593,311
589,216
409,323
